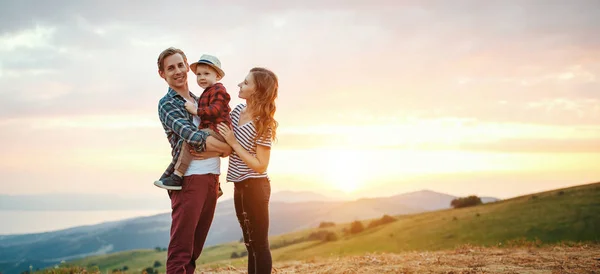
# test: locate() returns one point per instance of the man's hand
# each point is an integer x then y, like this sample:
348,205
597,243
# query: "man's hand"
191,108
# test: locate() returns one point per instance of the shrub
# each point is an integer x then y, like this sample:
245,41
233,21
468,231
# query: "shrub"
323,236
234,255
356,227
285,242
386,219
326,224
466,201
157,264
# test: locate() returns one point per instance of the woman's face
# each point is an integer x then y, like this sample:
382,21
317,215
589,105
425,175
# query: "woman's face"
247,87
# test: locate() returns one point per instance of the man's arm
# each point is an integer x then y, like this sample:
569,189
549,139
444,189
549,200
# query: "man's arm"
215,145
174,118
217,105
214,148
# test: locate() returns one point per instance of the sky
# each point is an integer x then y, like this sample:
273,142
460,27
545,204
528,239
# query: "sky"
494,98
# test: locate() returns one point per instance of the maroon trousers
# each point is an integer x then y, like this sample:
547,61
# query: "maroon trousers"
193,209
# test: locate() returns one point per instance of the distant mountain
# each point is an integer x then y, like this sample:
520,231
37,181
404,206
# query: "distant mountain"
289,211
486,200
299,196
425,199
65,201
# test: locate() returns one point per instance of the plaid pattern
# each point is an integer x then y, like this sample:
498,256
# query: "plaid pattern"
178,126
213,107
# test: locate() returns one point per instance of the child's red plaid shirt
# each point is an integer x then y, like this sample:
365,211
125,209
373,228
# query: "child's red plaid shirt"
213,107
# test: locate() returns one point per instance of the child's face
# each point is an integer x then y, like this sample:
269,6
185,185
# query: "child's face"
206,76
247,87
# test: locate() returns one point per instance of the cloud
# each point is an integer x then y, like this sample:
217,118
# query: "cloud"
31,38
430,59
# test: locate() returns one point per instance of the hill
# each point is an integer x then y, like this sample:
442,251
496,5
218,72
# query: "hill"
43,249
465,259
564,215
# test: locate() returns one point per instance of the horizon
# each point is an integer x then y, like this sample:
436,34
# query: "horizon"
63,219
333,195
496,99
103,216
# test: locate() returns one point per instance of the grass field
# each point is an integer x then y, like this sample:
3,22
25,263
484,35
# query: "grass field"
548,218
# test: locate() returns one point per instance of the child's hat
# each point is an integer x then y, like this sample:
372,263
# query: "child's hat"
211,61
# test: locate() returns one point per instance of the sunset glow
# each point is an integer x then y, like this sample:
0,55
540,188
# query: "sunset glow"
375,99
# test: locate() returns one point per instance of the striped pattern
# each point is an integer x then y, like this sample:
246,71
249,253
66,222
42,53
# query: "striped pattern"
245,135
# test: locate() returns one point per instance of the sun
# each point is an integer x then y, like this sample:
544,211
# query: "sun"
347,182
346,171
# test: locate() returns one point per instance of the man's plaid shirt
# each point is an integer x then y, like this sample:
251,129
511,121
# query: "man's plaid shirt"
213,107
179,126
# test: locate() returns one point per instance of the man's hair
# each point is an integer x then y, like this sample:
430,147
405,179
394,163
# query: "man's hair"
166,53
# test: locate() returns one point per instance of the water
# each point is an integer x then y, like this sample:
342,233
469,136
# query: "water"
29,221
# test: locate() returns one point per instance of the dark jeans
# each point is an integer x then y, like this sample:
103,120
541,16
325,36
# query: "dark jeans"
193,211
251,198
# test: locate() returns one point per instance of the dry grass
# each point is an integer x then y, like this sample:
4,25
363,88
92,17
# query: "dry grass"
466,259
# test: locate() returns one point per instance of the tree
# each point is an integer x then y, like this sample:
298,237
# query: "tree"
323,235
384,220
356,227
466,201
326,224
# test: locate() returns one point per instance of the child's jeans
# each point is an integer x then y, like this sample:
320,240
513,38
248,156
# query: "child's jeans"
185,157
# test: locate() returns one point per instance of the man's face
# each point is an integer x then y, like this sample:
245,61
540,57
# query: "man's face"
206,76
175,71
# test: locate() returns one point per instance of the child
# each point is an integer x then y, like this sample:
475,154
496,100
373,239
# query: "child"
211,109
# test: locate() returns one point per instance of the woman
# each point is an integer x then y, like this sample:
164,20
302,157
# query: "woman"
253,130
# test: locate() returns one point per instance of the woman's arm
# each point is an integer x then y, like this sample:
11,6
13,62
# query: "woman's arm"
258,163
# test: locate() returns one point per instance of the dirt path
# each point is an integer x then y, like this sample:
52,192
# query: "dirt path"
583,259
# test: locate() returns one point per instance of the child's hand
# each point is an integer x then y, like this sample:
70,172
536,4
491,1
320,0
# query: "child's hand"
191,108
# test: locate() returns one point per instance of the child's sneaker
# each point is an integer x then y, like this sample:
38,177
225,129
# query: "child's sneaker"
173,182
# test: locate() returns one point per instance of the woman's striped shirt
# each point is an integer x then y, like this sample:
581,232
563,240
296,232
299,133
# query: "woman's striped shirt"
245,135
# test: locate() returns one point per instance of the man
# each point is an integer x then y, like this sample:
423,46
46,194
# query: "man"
193,206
